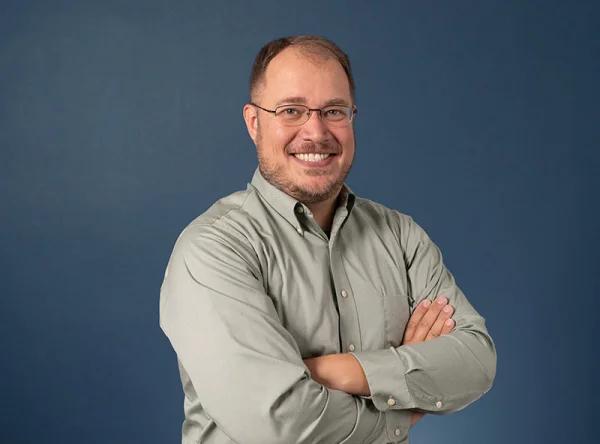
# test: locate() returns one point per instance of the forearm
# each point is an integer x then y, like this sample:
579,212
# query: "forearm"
439,375
342,371
339,371
442,375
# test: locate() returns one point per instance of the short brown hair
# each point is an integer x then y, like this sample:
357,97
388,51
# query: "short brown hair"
312,44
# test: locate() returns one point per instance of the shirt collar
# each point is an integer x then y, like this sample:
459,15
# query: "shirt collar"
288,207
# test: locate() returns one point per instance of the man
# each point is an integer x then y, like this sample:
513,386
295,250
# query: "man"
301,313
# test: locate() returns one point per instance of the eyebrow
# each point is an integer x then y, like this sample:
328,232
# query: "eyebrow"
302,100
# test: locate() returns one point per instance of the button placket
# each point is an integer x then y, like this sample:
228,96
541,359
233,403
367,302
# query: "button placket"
349,326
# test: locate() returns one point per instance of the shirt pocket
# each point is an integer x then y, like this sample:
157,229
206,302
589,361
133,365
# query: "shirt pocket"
396,309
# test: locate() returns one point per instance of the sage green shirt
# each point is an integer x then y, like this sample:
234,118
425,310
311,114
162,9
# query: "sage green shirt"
254,285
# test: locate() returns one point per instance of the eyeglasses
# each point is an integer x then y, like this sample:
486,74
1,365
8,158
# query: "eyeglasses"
296,115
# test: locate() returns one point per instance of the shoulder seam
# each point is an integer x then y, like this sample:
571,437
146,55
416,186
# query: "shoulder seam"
365,201
217,219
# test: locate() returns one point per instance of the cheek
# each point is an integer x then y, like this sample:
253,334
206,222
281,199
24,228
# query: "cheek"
346,139
278,139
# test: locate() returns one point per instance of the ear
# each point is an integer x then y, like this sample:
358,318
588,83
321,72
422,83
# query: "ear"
250,114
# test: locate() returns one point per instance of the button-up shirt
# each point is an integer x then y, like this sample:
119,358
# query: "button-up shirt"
254,286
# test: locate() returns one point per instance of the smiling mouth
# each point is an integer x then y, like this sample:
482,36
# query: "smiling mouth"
312,157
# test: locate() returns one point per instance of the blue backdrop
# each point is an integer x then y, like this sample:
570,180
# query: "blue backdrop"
120,121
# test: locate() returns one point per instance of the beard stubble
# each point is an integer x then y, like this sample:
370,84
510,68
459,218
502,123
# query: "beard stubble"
277,177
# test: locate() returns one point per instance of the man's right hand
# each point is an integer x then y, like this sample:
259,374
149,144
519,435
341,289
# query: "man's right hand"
428,321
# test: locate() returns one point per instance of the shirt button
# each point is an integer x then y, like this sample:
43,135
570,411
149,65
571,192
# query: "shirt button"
351,347
438,404
391,401
299,209
344,294
397,432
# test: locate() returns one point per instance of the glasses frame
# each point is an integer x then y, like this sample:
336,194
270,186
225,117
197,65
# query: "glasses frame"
309,112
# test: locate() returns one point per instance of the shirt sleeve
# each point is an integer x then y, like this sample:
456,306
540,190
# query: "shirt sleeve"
245,367
444,374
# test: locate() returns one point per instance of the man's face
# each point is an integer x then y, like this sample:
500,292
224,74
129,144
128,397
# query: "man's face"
293,78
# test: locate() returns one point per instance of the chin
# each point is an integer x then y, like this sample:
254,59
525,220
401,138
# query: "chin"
312,193
315,183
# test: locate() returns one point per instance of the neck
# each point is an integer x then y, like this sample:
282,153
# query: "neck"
323,212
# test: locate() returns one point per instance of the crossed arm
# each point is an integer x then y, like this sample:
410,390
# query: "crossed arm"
342,371
229,339
438,368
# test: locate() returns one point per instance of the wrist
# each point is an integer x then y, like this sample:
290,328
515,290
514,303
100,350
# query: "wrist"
355,380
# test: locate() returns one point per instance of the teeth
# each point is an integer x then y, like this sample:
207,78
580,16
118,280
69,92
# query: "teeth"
312,157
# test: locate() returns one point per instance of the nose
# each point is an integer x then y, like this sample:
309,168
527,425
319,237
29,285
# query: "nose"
315,128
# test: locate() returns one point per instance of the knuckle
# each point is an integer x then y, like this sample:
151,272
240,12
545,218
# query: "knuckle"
448,327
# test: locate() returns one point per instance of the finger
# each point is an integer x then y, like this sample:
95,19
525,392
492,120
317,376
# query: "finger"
415,318
438,325
428,320
448,326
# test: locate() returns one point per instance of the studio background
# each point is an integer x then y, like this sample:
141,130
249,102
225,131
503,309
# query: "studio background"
120,122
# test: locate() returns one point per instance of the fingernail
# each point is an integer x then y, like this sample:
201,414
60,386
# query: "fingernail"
426,303
449,322
441,300
448,308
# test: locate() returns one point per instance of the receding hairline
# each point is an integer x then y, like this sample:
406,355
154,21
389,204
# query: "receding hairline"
316,49
314,55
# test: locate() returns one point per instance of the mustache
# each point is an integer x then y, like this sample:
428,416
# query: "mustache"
315,148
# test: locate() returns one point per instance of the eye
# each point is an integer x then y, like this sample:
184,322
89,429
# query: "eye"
290,111
335,113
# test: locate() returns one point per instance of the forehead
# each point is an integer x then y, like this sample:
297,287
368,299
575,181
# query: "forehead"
296,73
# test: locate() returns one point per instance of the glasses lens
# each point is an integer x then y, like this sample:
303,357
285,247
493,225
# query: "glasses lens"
337,114
292,114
